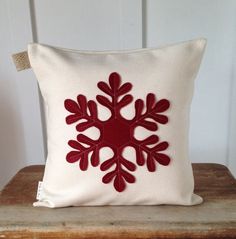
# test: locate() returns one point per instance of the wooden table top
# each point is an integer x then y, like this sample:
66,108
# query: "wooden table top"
215,218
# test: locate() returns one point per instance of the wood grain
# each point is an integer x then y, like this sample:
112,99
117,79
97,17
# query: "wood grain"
215,218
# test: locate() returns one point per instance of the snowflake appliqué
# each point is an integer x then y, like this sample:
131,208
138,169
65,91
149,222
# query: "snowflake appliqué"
117,132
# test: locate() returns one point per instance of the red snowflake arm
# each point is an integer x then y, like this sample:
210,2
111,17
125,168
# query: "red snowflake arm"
79,110
120,174
81,152
153,111
114,90
153,153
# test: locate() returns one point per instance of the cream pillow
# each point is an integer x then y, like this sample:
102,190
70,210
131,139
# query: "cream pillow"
117,124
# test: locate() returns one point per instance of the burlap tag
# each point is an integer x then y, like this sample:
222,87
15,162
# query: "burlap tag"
21,61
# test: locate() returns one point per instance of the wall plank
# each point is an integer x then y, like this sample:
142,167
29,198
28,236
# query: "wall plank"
21,141
231,160
89,24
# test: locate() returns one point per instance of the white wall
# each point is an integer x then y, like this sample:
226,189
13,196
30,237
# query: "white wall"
118,24
169,21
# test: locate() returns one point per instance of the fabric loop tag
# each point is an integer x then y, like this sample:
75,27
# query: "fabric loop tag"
21,60
39,191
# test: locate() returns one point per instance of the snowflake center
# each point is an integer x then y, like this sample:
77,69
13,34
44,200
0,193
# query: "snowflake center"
116,132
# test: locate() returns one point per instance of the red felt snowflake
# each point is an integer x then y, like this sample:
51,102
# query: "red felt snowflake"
117,132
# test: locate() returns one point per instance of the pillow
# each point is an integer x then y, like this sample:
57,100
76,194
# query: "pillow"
117,124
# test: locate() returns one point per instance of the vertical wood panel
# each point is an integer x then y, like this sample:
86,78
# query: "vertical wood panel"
89,24
232,114
21,140
21,34
131,24
12,151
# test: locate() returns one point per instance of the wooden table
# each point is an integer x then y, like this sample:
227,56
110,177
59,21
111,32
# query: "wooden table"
215,218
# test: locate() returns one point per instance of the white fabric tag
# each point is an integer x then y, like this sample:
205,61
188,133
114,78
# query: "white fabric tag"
39,191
